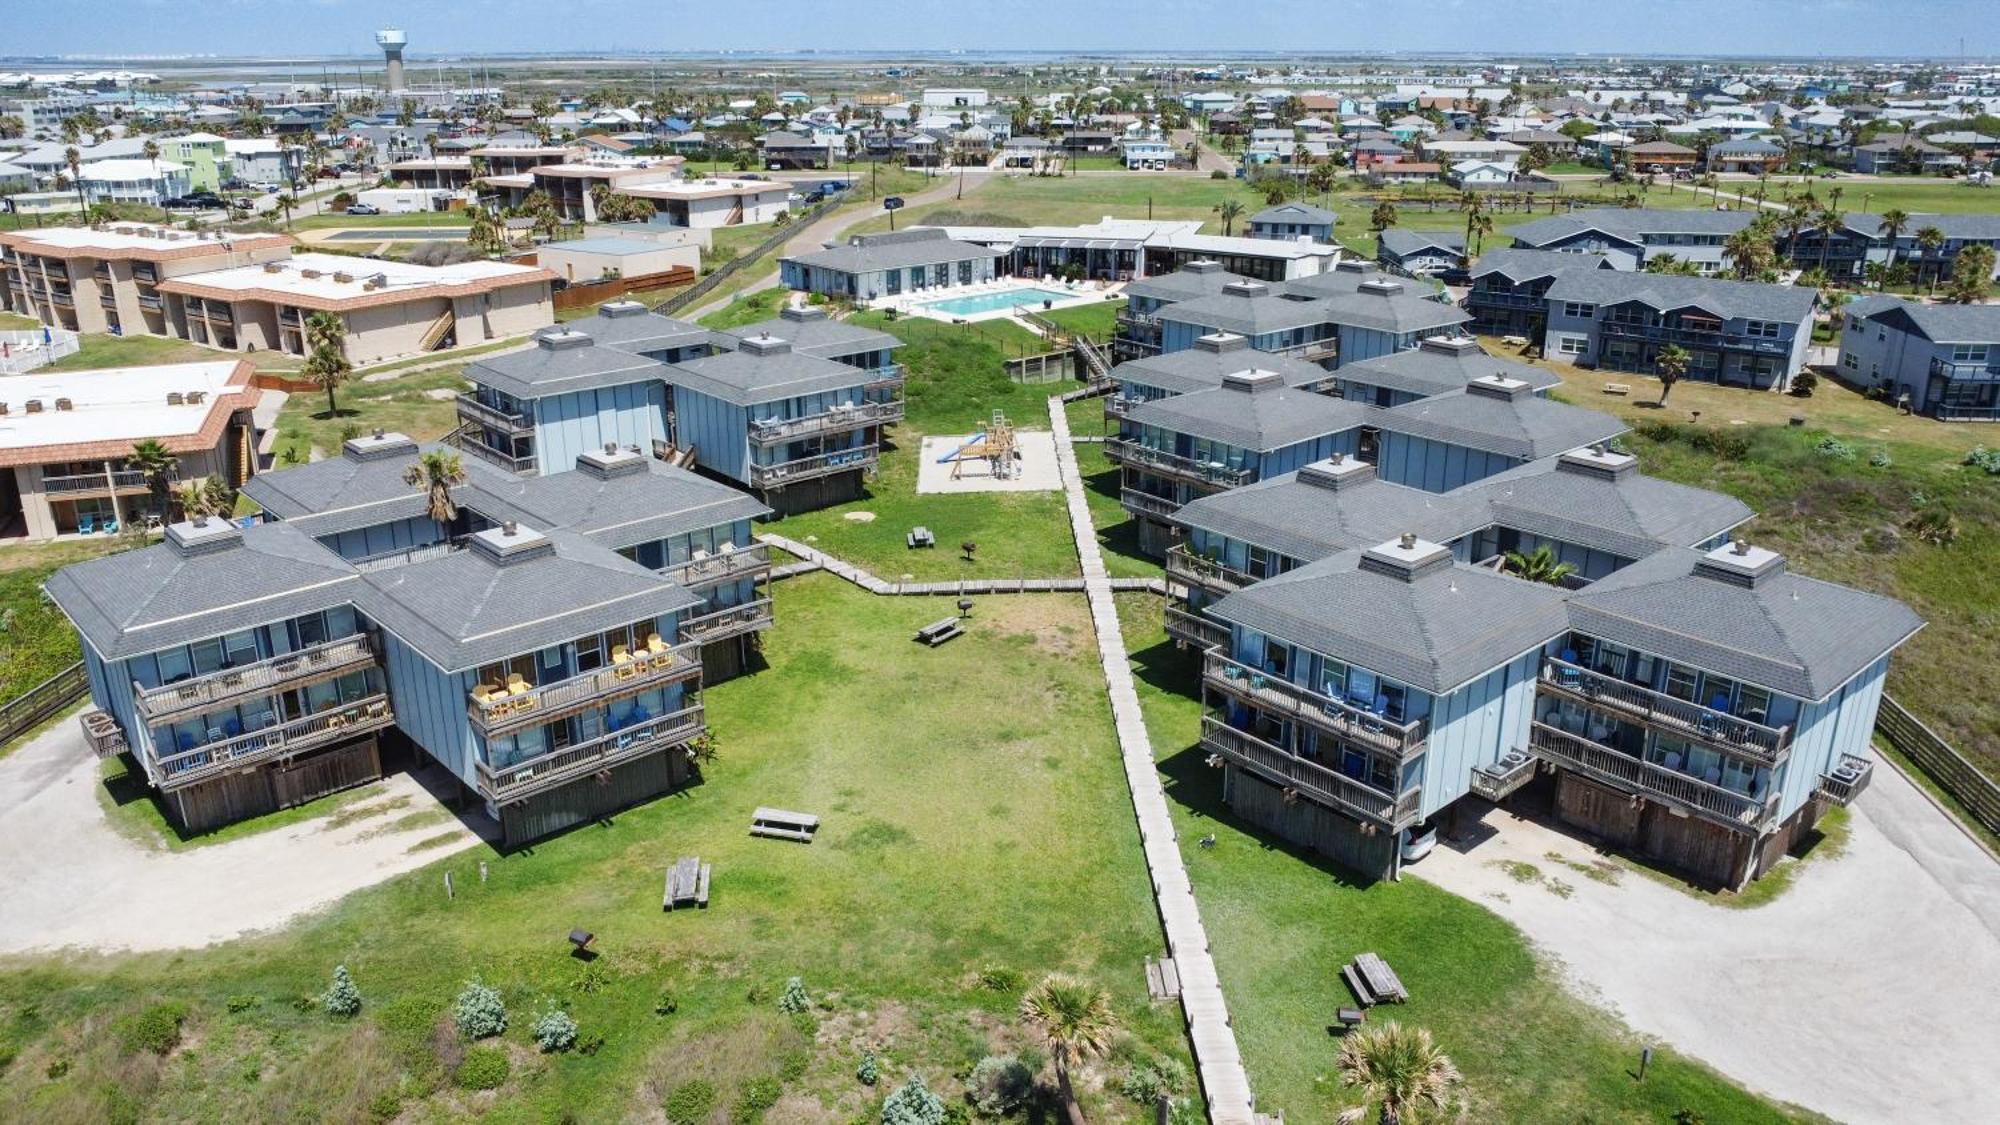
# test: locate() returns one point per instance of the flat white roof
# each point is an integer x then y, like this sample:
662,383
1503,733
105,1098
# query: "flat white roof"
122,169
291,277
130,236
112,404
696,189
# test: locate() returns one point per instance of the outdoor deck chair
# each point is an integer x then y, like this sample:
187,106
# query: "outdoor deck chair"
620,654
85,525
516,685
654,644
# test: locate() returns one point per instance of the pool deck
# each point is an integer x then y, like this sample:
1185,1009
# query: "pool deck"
1082,293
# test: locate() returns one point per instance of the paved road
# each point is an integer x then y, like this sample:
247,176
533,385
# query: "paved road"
1866,991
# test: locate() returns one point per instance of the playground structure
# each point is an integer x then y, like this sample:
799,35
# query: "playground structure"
995,446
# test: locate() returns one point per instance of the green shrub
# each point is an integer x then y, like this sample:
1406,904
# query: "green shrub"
794,998
757,1095
56,1069
1834,448
913,1104
590,1044
592,980
1984,459
666,1005
385,1106
690,1102
243,1003
999,1085
484,1068
1146,1082
554,1031
1880,459
342,998
156,1029
1936,525
1218,174
870,1071
479,1011
999,978
1804,384
793,1066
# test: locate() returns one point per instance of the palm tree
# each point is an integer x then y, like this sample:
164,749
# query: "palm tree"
1399,1070
1383,216
286,202
1074,1021
1930,240
1540,565
1971,273
326,364
152,458
436,473
1228,210
1829,223
74,160
1894,223
1671,363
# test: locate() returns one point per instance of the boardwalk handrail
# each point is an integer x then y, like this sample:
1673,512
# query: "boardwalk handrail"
52,696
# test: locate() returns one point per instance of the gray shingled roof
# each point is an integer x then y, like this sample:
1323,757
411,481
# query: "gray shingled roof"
1630,224
1306,521
1268,417
347,492
463,609
630,326
1403,243
1201,367
747,378
1940,324
1434,632
898,250
812,332
1525,426
1404,311
1247,314
1294,213
155,597
1436,368
1196,279
623,510
1786,304
561,362
1791,634
1629,515
1518,264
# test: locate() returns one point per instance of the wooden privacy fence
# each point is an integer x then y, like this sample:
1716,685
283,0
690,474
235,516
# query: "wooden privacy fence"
707,285
1908,736
51,697
582,294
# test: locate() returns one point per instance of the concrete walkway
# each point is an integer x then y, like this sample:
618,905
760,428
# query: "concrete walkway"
1865,991
1220,1064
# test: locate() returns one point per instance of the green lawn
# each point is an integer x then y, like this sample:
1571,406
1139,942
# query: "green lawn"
39,641
1281,923
98,350
957,372
399,405
748,308
973,840
1096,321
304,219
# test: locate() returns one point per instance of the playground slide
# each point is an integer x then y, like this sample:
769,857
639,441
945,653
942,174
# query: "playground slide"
953,455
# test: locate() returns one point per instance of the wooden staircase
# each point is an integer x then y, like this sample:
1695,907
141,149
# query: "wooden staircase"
443,329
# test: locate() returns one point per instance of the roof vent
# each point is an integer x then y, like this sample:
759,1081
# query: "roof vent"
380,445
1252,381
1452,345
196,398
309,274
765,344
1247,289
1379,287
1407,558
801,314
33,406
563,340
611,461
1499,386
65,404
615,309
1337,472
1219,342
343,278
1203,265
1741,564
203,536
511,543
274,267
1597,461
1351,265
175,398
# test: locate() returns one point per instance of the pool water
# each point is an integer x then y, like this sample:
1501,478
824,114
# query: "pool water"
993,302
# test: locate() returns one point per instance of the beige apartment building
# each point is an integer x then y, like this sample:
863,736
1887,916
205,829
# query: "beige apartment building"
108,279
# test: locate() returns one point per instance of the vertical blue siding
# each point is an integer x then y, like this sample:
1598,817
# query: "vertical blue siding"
430,706
1435,466
718,430
570,424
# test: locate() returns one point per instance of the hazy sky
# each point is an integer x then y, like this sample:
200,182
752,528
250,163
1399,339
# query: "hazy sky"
317,27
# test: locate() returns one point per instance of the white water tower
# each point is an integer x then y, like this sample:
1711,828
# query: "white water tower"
392,40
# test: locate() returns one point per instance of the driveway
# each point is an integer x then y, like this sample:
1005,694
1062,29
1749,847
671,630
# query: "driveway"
70,880
1866,991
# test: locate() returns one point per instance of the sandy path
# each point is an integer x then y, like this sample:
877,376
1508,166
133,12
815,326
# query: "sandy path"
67,878
1866,991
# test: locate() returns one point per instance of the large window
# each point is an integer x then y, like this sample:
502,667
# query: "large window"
1968,353
1579,309
1761,329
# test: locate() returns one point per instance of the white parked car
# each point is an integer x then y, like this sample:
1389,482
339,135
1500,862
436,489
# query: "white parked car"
1423,836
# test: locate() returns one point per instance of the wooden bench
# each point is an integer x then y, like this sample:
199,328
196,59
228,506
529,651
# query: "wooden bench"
1619,389
1163,979
784,825
1381,979
1359,986
687,882
920,537
940,631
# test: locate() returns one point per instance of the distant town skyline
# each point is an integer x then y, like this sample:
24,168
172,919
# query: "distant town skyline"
261,28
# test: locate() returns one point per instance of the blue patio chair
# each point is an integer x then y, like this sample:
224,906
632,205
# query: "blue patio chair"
86,524
1719,702
108,527
1568,676
639,715
232,728
184,741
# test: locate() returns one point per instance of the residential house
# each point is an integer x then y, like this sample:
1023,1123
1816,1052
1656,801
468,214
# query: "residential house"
873,266
1942,360
1737,333
1294,221
134,180
1903,152
1508,294
1632,237
1750,155
1419,253
1660,157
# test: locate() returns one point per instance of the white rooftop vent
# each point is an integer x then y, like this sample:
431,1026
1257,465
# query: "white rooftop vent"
1498,386
1337,472
1252,381
1597,461
1741,564
1408,556
1219,342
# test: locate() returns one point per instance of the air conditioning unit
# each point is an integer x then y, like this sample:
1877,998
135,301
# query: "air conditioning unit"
195,398
343,278
65,404
309,274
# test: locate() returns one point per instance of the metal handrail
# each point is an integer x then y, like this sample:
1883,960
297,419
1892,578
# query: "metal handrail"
1656,781
1696,336
286,669
1405,739
92,482
1211,472
1765,744
502,710
510,782
186,767
1394,811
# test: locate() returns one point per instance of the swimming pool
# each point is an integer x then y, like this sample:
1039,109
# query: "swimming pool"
994,302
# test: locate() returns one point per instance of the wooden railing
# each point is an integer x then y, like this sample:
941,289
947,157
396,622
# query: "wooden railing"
1183,565
469,442
1959,778
722,566
186,767
35,706
102,734
1191,627
820,465
292,669
1658,782
731,622
503,784
1846,779
838,420
1145,503
1747,738
1285,699
1498,779
778,237
1129,452
1311,778
94,482
512,421
497,712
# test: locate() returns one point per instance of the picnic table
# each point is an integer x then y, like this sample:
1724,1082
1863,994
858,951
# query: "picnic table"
940,631
920,537
784,824
1373,981
687,882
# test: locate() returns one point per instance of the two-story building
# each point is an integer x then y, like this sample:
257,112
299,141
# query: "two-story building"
1294,221
1736,333
871,266
1200,368
1437,365
1509,291
1631,237
1494,423
91,279
1943,360
1341,316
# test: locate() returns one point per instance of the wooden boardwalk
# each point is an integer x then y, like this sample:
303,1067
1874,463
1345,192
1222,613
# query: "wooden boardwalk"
1220,1064
811,560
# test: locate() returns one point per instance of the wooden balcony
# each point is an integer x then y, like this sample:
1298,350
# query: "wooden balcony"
709,570
1186,567
1499,779
1642,778
1845,780
470,443
1678,718
101,734
1284,699
543,772
1313,780
71,484
279,673
188,767
1125,451
722,624
1146,504
839,420
807,468
477,413
1190,627
497,711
